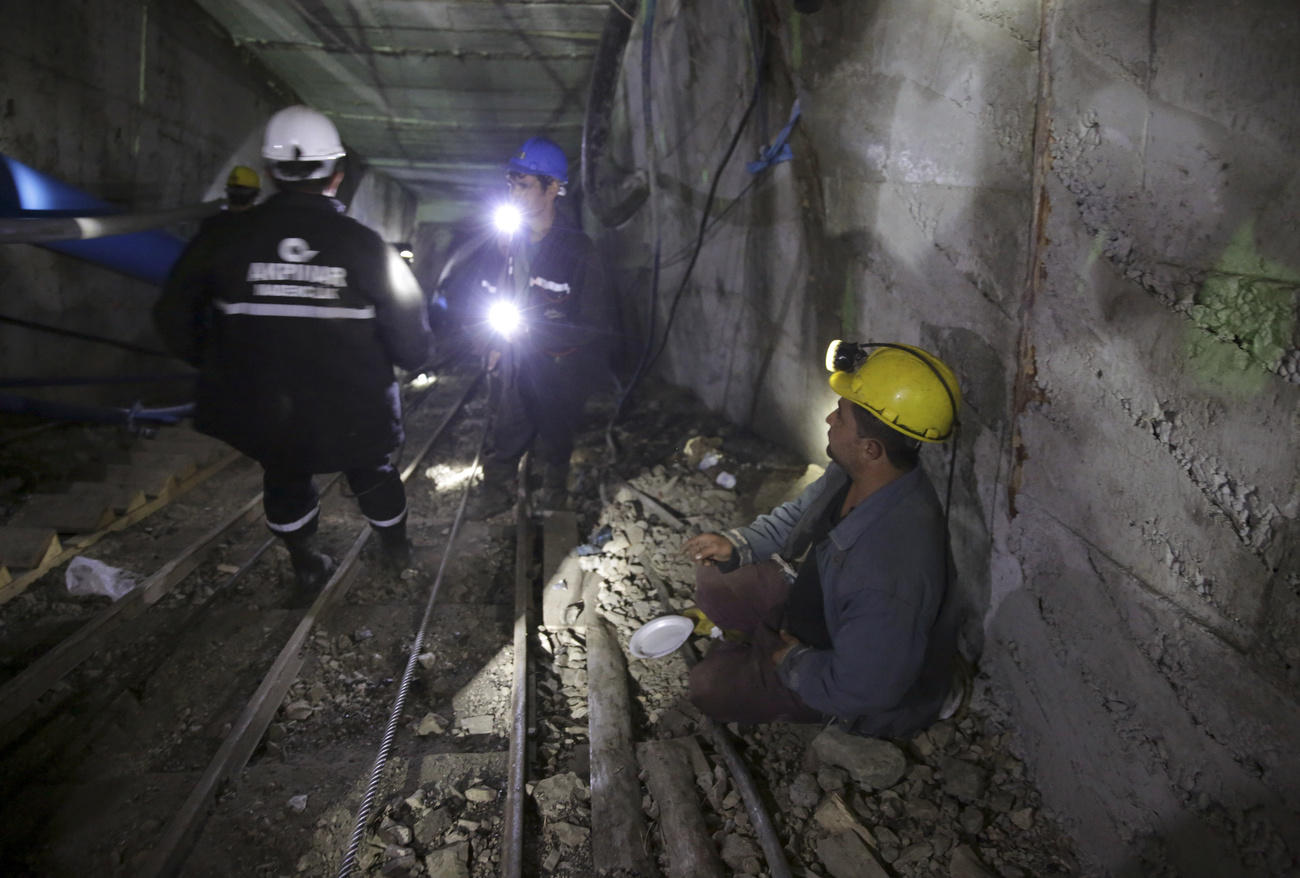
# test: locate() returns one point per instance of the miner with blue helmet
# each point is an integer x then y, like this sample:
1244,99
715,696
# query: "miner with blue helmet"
553,276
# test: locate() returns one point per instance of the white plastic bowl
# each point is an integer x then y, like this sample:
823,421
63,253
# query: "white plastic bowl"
658,637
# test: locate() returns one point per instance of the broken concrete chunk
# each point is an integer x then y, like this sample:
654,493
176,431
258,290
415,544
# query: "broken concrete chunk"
432,724
429,828
846,856
449,862
297,710
555,794
804,791
476,725
874,763
963,780
481,794
965,863
568,834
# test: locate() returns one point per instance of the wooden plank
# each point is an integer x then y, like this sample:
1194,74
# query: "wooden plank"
235,751
27,547
121,498
153,480
35,680
561,575
204,449
180,464
65,513
559,537
690,849
618,826
18,585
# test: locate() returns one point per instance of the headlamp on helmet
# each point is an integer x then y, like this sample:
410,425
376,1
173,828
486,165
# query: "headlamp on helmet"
845,356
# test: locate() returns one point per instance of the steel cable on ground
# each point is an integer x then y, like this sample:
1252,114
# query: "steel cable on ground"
349,864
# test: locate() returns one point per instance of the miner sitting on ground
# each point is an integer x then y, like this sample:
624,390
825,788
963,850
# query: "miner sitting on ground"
862,627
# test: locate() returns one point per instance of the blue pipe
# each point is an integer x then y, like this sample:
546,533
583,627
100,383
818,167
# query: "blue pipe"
27,193
21,405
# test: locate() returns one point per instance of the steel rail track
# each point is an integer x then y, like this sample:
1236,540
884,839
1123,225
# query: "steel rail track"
178,837
20,693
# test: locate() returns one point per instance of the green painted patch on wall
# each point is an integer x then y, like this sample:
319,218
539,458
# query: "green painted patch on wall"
1250,303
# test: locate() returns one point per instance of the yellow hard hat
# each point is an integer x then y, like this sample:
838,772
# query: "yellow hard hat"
898,385
244,176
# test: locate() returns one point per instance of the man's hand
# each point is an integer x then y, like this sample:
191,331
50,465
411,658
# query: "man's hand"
790,642
709,548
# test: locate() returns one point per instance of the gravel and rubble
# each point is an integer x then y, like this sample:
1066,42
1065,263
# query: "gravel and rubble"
953,800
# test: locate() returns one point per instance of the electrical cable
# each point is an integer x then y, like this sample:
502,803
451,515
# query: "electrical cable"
648,360
84,336
77,382
647,56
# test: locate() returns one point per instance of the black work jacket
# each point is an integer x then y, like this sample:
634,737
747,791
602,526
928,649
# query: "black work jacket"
296,316
560,288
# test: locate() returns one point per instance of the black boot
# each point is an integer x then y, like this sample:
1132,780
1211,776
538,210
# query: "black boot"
493,495
311,567
394,547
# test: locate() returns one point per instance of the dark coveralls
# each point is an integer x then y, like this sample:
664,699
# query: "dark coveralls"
870,604
549,368
295,316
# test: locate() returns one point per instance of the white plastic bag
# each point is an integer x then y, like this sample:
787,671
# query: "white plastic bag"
88,576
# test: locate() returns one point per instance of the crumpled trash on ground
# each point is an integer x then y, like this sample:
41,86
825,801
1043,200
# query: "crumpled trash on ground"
598,539
86,576
698,449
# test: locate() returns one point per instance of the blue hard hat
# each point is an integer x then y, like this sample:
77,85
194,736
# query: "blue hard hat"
539,156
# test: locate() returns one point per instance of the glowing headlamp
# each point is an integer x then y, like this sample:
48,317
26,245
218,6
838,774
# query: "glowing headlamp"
504,317
507,218
845,356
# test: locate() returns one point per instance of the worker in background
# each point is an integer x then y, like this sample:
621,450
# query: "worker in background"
553,277
295,319
242,188
843,592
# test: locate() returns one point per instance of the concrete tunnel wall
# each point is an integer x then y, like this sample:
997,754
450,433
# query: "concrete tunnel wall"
1118,294
146,105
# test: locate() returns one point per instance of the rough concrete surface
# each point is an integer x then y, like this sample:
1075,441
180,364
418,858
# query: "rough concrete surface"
1118,294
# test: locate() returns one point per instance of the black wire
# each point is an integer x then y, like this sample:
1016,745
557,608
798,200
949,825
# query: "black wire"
704,219
84,336
647,362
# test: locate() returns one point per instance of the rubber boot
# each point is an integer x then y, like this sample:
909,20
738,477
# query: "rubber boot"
394,547
555,486
312,568
493,493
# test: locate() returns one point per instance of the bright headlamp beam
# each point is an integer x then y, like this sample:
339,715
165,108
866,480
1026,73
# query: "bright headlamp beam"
507,219
503,317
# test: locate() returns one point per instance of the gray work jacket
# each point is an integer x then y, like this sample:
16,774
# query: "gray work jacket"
886,601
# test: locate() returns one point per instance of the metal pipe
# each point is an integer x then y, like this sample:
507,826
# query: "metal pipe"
35,229
512,834
80,221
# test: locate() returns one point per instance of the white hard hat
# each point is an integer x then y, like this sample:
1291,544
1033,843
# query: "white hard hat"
301,134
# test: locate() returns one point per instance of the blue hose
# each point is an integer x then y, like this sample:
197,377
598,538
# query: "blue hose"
60,411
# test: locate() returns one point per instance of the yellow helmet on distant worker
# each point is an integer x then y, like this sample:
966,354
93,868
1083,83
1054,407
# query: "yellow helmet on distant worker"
246,177
907,388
